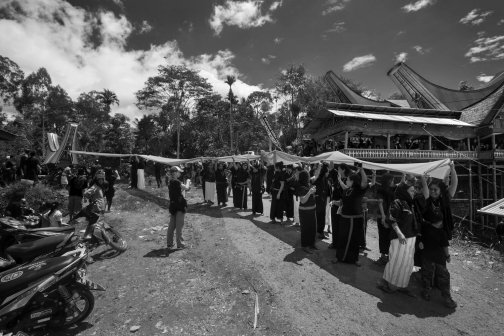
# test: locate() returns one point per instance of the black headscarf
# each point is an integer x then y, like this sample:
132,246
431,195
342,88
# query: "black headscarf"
387,191
408,202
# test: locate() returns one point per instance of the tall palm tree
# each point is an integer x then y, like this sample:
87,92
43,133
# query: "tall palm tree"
230,80
108,98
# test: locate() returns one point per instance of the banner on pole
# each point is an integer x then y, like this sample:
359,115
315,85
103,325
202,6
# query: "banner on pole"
271,135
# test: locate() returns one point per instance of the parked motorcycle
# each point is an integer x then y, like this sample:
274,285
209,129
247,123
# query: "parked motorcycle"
48,293
98,232
17,230
48,247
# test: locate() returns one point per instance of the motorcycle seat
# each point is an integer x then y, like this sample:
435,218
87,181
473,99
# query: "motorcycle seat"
54,229
30,250
22,276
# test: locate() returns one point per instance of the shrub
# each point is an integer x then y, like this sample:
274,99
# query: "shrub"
35,196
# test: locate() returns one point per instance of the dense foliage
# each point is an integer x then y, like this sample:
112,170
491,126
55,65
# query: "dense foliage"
181,108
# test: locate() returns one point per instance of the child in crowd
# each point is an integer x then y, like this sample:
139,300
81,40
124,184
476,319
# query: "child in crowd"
435,254
55,215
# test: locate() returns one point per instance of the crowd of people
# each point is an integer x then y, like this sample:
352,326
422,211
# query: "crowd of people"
414,216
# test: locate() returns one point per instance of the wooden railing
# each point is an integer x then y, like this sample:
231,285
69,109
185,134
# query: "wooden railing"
398,154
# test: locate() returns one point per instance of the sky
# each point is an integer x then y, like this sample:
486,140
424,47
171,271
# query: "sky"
117,44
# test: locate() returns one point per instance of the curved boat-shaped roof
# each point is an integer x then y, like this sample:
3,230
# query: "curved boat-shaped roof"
419,91
347,95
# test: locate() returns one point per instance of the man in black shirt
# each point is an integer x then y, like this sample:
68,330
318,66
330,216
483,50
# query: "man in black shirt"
76,186
22,162
32,167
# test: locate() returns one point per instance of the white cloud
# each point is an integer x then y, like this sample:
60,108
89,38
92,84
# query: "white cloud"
278,40
265,60
484,78
481,33
500,22
335,5
272,56
145,28
487,49
337,28
401,32
63,46
401,57
275,5
421,50
475,18
359,62
244,14
413,7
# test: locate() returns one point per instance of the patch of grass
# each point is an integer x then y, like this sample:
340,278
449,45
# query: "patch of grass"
125,201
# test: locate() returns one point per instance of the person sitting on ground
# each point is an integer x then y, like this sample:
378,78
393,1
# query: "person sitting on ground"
18,207
55,215
435,254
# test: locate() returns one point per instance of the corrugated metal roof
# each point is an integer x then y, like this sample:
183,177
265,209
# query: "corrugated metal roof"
409,119
496,208
400,103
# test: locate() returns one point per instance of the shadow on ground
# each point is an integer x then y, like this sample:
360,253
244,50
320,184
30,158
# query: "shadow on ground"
363,278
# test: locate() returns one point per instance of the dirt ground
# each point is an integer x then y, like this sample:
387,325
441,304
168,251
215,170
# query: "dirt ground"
210,287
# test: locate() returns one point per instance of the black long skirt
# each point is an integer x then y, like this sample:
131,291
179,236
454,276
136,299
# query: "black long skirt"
383,237
335,219
289,205
244,198
237,196
257,204
221,192
349,238
277,206
308,221
134,178
321,214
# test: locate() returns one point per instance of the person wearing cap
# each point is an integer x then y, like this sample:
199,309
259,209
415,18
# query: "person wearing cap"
177,208
76,188
278,194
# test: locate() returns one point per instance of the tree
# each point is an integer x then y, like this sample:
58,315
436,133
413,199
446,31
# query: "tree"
465,86
118,135
32,102
260,101
11,78
147,129
230,80
60,109
175,85
93,119
396,96
107,98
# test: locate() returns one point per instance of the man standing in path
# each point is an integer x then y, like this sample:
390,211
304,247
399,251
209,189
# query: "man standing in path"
76,187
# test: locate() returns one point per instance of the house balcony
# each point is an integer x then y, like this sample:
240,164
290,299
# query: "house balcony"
406,154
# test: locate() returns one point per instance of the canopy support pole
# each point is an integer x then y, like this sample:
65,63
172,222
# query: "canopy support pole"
480,185
430,142
470,198
388,140
346,139
468,144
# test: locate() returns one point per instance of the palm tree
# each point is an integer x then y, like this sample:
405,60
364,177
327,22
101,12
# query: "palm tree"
230,80
108,98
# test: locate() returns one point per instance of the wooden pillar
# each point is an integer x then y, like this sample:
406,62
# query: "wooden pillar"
430,142
470,198
493,141
479,143
468,144
388,140
480,185
502,186
346,139
494,185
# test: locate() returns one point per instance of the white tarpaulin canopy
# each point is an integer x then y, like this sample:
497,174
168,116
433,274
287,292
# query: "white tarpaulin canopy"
389,117
437,169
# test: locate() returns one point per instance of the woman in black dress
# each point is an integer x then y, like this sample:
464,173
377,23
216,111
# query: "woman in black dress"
222,183
385,196
256,184
277,194
111,177
322,185
307,212
243,180
342,172
237,192
351,224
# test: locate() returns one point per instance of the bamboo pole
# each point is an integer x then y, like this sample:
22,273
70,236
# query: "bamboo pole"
480,187
494,187
502,185
470,198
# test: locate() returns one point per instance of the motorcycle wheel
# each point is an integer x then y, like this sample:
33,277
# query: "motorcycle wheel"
117,242
84,306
